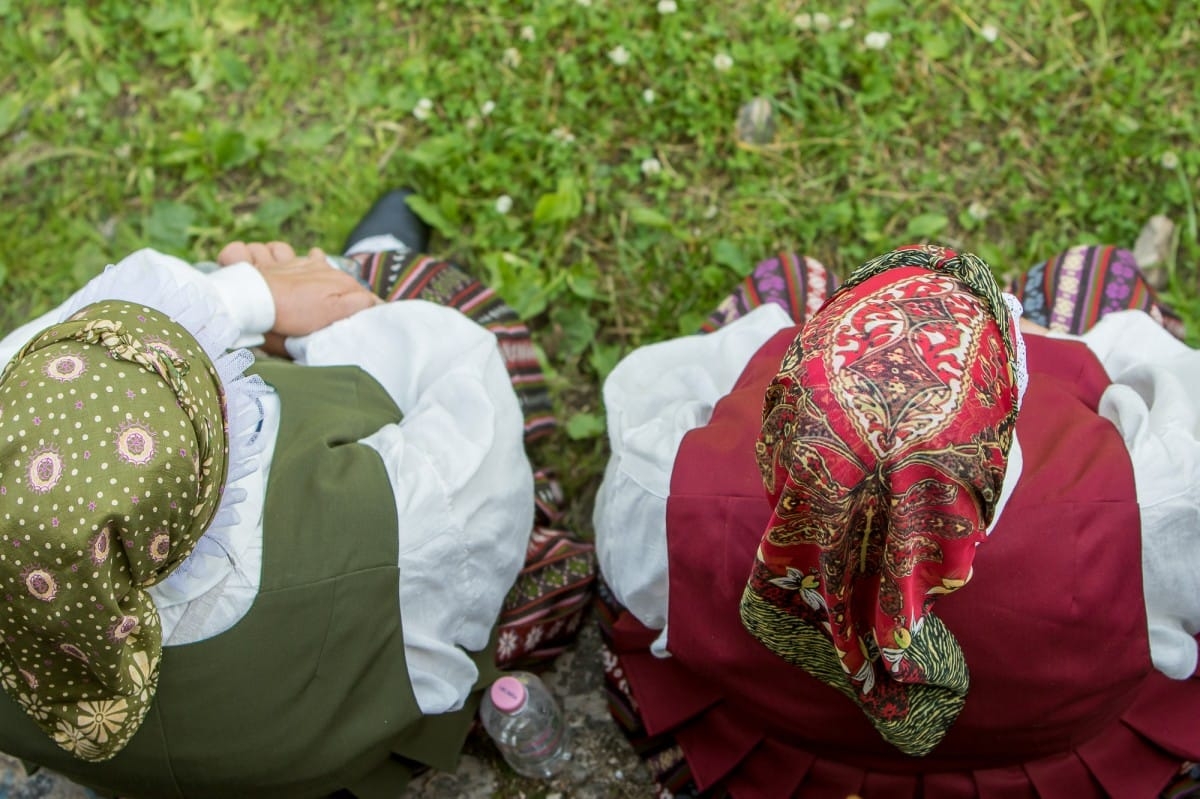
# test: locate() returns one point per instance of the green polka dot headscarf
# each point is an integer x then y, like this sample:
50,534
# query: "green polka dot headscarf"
113,457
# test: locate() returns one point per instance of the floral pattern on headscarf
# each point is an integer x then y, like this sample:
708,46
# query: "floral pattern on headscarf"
113,454
883,450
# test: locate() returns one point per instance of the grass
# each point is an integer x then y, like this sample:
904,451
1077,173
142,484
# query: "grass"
183,125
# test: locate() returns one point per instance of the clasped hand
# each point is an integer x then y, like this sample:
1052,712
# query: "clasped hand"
308,293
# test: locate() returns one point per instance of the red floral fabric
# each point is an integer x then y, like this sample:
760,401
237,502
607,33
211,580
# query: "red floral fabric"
883,450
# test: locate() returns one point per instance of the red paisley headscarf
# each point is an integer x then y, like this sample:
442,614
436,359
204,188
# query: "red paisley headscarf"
883,449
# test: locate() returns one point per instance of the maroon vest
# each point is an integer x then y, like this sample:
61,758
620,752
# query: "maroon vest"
1052,625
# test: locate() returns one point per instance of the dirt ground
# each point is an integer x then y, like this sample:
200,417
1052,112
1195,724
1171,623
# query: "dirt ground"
602,764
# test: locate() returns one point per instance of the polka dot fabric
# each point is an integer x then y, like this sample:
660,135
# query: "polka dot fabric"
113,453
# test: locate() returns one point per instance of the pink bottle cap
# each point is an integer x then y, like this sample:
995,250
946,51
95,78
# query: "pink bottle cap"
508,694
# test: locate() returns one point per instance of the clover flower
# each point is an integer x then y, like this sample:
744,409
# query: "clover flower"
619,55
877,40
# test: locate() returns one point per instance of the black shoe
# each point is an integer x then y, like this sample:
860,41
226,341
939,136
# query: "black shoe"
391,215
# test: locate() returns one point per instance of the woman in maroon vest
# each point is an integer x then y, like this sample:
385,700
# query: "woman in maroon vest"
785,613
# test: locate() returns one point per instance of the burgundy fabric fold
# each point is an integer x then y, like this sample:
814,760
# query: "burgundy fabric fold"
772,769
1004,783
719,746
1065,775
828,779
677,694
1126,764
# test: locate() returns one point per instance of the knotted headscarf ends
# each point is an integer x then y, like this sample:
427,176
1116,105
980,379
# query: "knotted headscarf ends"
883,450
113,458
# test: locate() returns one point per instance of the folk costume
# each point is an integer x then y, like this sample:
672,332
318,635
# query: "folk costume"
230,577
889,552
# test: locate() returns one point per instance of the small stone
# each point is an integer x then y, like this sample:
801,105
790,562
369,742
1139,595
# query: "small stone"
1153,247
756,122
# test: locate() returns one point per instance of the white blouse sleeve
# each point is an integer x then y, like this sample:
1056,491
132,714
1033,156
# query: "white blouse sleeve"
462,483
139,277
1154,402
653,398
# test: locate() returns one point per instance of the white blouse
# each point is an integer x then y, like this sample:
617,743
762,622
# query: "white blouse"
660,392
462,483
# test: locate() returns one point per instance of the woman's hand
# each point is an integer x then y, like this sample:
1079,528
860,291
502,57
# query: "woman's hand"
1034,328
308,293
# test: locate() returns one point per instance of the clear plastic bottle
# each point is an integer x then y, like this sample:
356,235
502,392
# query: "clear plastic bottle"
527,725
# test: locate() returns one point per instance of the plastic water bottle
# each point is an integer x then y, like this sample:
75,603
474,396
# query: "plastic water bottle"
527,725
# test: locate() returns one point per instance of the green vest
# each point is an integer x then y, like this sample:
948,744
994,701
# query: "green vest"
309,692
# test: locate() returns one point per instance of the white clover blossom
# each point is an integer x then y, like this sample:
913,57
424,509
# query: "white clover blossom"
619,55
563,134
423,109
504,204
877,40
667,7
821,21
803,21
651,166
846,24
511,58
487,108
527,33
648,96
978,211
584,3
723,62
990,33
1169,160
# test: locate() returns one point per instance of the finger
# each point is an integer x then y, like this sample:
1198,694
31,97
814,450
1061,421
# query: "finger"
274,343
1032,327
232,253
306,262
260,254
281,251
352,302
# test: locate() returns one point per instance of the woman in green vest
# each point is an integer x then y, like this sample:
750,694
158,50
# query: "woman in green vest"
277,576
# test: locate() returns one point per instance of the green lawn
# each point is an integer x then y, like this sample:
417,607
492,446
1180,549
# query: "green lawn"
1012,128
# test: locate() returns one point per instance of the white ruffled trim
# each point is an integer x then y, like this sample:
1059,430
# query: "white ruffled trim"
151,283
1020,368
